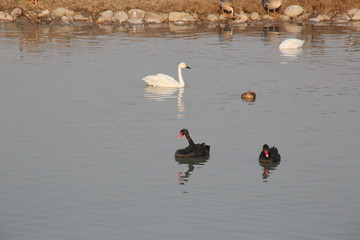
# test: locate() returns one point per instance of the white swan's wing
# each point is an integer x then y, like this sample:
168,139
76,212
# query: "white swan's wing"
161,80
291,43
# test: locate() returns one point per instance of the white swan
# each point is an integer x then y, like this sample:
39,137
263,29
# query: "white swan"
163,80
291,43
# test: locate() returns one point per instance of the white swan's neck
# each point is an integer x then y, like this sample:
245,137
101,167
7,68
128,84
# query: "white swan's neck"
181,80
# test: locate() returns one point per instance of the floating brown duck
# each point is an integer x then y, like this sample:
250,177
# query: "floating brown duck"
249,95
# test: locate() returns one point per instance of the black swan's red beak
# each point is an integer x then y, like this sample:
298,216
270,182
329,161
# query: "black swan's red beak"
266,153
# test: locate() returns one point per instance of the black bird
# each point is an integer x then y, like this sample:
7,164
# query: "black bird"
269,155
193,150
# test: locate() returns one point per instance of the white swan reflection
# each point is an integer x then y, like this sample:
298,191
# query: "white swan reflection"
160,94
291,53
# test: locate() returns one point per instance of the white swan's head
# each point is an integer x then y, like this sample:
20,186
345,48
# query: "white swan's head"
183,65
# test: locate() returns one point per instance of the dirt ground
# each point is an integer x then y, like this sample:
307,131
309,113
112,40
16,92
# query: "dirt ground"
201,7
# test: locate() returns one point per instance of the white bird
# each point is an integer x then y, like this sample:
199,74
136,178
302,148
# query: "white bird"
226,7
163,80
291,43
271,4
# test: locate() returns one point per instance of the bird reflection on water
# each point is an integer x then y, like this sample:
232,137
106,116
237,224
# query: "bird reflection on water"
291,53
266,168
183,177
160,94
225,32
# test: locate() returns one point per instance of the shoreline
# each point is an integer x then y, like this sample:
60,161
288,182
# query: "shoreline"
125,13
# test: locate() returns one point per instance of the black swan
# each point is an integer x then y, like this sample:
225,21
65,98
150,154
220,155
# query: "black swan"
269,155
193,150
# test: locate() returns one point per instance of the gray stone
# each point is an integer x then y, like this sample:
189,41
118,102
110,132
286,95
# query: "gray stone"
120,17
48,18
59,12
135,21
222,17
242,17
105,17
284,18
254,16
44,13
165,16
326,17
159,17
17,12
239,21
65,20
267,17
356,16
84,17
188,19
179,23
213,18
293,11
342,18
32,16
152,20
5,16
136,14
177,16
352,12
315,17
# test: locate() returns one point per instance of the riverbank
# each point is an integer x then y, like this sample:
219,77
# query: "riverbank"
157,11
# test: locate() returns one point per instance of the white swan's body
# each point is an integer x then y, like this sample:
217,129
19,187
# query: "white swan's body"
291,43
163,80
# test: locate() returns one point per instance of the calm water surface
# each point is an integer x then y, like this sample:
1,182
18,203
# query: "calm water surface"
87,149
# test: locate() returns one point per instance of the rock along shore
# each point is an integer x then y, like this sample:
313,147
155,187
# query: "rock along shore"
293,13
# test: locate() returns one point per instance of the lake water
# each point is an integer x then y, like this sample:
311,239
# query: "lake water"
87,150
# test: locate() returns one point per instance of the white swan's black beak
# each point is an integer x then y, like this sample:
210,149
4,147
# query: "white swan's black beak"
188,67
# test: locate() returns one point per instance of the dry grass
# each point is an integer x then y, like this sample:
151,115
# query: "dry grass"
201,7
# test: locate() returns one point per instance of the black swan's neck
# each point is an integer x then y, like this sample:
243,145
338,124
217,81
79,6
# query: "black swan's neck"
191,142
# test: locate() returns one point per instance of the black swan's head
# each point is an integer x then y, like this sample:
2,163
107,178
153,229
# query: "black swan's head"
183,132
266,150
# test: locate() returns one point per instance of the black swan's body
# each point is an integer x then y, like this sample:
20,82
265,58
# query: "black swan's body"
269,155
193,150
